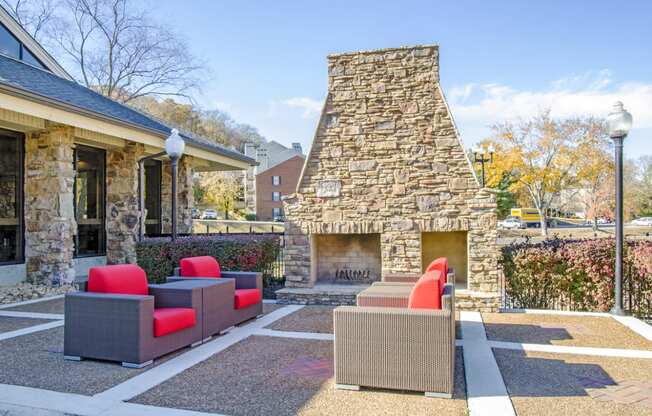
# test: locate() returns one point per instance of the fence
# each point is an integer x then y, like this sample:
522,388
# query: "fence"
637,297
237,227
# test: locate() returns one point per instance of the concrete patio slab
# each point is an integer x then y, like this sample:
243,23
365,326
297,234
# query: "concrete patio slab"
45,306
308,319
281,376
544,383
567,330
8,324
36,360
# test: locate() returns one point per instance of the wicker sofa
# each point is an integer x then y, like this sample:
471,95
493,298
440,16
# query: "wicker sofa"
122,318
241,297
402,346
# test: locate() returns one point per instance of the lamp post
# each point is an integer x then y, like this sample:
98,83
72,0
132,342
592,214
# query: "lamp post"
174,147
479,156
619,122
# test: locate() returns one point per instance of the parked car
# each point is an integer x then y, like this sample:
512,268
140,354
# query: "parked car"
512,222
195,214
209,214
643,221
603,221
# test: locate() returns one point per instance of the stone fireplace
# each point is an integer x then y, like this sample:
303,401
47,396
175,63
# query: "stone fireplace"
387,186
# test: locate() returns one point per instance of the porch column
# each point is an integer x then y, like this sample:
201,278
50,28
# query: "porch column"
122,203
185,197
49,215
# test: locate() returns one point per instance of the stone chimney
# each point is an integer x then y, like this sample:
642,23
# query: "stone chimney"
387,186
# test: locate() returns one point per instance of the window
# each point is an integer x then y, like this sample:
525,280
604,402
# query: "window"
152,187
11,198
90,189
276,196
10,46
276,180
277,213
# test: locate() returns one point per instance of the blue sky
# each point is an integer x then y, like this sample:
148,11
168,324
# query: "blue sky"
499,60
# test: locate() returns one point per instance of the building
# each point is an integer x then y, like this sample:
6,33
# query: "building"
387,186
275,176
69,169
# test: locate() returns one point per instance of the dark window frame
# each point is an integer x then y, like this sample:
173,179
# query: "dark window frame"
102,252
34,61
159,224
20,195
279,180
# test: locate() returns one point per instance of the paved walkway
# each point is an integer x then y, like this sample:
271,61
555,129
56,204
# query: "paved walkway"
486,390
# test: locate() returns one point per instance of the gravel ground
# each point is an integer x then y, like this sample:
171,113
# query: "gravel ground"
279,376
580,331
36,360
11,324
46,306
548,384
271,307
307,319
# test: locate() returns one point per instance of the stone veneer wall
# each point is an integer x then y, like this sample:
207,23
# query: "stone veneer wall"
386,159
122,203
185,196
49,214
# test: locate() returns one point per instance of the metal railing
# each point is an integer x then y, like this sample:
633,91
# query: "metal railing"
237,227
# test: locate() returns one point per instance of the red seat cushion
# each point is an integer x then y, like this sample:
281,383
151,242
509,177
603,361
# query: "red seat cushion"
202,266
246,297
426,293
169,320
440,264
126,279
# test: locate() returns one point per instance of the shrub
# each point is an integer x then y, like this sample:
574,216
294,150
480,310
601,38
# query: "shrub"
159,256
577,275
250,217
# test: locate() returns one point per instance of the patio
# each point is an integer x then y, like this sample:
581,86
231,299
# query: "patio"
282,363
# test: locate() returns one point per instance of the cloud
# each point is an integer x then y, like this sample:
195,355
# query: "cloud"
310,107
476,107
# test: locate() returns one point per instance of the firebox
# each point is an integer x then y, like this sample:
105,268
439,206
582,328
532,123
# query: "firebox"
346,258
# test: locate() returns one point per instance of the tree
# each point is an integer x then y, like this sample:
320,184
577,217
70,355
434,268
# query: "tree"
221,189
112,46
541,155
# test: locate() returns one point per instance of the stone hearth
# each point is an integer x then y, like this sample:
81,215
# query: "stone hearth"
387,162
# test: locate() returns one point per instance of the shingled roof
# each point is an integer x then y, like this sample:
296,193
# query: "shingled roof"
21,78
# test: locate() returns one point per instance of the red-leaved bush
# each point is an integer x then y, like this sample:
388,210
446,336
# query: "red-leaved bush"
577,275
159,256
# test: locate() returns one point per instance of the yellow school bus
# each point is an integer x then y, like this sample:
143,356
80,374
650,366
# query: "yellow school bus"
529,216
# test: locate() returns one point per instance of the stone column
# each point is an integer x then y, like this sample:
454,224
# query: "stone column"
49,215
122,203
185,196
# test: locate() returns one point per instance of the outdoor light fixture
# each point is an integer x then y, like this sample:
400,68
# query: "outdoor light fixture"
479,156
619,122
174,147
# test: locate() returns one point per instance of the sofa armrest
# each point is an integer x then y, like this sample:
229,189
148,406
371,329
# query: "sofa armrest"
174,297
245,280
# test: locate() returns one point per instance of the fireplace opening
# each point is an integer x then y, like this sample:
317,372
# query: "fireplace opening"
346,258
452,245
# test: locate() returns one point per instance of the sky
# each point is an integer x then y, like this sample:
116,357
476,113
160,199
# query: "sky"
499,60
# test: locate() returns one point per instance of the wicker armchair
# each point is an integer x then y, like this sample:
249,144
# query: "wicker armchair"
396,347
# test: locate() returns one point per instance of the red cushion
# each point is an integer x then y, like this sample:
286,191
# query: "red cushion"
126,279
440,264
426,293
202,266
169,320
246,297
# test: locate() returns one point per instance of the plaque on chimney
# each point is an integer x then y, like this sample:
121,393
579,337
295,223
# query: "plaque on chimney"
329,188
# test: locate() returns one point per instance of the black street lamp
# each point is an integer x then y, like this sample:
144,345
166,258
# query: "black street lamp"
479,156
619,122
174,147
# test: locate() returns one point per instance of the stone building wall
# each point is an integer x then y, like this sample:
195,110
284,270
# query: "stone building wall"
49,215
185,196
386,159
122,212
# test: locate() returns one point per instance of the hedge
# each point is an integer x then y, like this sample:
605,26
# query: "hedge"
577,275
159,256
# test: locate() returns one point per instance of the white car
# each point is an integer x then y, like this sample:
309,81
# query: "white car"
511,223
209,214
643,221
